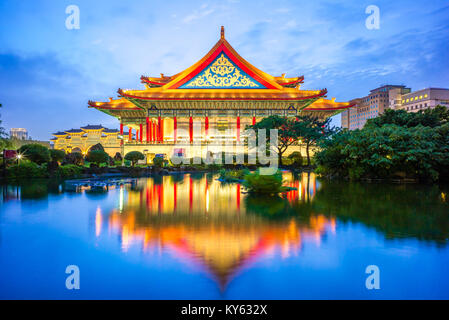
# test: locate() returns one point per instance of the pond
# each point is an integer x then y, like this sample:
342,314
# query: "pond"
193,237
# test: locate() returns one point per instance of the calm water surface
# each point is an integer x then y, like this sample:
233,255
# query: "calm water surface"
192,237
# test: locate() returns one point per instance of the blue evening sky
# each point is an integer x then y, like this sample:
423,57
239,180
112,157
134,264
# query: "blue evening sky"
48,73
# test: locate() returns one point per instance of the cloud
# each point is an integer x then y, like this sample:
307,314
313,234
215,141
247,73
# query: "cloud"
202,12
48,73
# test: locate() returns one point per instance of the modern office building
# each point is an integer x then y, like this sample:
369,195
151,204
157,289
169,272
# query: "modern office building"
370,106
392,97
422,99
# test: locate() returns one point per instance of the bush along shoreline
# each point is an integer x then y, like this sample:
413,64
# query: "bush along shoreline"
38,162
397,146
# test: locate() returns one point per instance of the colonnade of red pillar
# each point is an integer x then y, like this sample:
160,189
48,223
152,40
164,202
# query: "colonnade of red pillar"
155,130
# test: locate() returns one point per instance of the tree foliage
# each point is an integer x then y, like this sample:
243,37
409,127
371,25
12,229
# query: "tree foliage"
75,158
97,147
35,152
396,143
256,183
311,130
305,129
134,156
97,156
118,156
5,143
57,155
286,133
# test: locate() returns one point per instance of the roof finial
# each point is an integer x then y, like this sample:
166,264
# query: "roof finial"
222,32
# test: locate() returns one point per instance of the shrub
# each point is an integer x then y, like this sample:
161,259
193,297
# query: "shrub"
57,155
68,171
214,167
97,156
233,175
26,169
134,156
263,184
158,162
35,153
97,147
296,158
118,157
73,158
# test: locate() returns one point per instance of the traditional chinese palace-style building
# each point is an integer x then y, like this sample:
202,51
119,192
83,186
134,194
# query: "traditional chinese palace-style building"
194,111
81,140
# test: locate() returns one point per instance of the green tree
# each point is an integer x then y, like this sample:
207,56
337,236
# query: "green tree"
134,156
35,152
57,155
97,156
311,130
433,117
383,152
4,141
118,157
75,158
287,134
97,147
296,157
256,183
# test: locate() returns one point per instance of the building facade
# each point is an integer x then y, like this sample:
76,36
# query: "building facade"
208,105
81,140
18,133
392,97
422,99
369,107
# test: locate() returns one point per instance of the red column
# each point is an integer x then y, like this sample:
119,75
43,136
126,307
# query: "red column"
175,129
148,129
254,120
162,131
159,125
141,133
130,134
206,126
191,129
137,135
238,129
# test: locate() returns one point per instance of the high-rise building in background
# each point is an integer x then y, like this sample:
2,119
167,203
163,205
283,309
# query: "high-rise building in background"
423,99
369,107
18,133
391,97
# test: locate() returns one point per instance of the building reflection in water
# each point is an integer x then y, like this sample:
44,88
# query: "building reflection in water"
212,225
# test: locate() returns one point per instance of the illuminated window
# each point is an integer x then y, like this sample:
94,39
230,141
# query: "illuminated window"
420,97
408,100
425,96
416,98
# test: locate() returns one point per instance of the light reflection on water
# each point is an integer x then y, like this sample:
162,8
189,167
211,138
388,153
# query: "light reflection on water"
216,230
